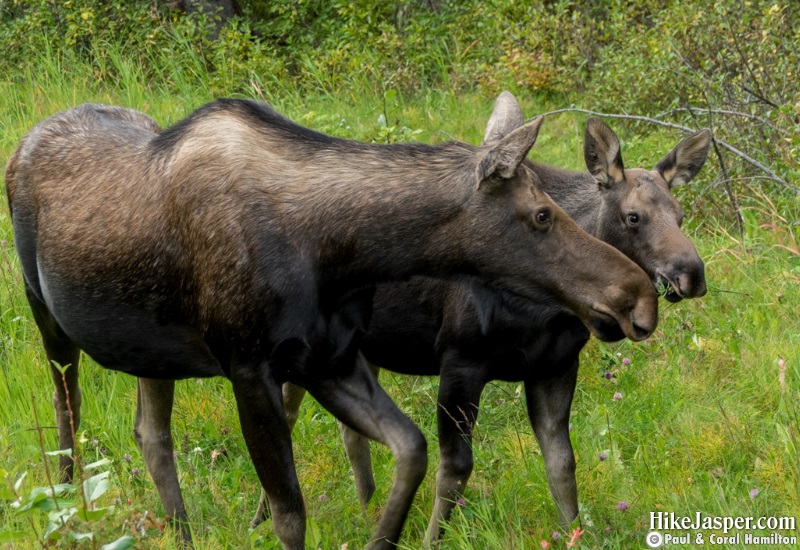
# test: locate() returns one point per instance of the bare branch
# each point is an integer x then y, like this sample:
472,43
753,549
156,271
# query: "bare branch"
724,112
726,185
750,160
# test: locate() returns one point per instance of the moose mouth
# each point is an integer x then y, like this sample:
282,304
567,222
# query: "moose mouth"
667,288
608,329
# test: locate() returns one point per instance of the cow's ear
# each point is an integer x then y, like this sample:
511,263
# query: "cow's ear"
687,158
502,159
602,153
506,117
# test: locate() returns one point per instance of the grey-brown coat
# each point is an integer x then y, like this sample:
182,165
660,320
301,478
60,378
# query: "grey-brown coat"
237,243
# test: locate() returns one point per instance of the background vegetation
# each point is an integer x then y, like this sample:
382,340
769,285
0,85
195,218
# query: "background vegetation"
708,419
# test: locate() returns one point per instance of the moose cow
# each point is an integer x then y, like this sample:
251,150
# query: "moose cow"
239,244
432,327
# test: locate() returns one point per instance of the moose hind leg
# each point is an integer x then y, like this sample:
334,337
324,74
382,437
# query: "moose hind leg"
460,391
356,447
153,434
548,405
62,355
354,397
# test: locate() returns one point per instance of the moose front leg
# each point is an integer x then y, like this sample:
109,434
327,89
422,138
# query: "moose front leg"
153,434
460,389
292,399
549,403
356,399
268,439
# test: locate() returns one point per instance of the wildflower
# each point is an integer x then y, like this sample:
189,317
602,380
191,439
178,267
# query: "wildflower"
574,537
626,361
461,502
544,544
95,443
603,456
622,506
323,497
134,471
127,458
754,492
617,396
609,375
215,454
556,535
103,451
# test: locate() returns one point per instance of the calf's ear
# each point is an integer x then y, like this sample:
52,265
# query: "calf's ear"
506,117
502,158
687,158
602,153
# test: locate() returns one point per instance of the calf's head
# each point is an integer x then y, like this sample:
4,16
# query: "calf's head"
532,250
639,215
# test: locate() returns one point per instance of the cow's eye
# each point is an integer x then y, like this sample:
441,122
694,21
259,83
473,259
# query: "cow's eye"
633,219
543,216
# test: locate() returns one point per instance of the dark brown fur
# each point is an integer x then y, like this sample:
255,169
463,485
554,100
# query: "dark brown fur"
237,243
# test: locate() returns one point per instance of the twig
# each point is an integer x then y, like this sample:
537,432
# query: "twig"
772,175
726,185
725,291
44,457
725,112
760,97
75,462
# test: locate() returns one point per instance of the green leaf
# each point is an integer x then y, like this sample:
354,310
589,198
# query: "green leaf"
48,504
9,535
93,515
61,452
60,489
28,502
94,465
62,515
81,536
18,484
96,486
52,528
120,544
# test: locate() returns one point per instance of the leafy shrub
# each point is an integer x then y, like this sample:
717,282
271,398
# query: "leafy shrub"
730,66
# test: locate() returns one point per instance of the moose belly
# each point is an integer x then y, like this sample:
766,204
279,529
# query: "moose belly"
132,339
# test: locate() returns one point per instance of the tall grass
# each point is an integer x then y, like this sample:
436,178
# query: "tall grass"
705,416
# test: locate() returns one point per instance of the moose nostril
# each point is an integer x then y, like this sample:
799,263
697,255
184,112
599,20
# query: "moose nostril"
641,333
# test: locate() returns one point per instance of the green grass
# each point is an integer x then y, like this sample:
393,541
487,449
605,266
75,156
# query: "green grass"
703,417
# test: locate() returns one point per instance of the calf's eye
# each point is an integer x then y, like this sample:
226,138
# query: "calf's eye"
633,219
543,216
